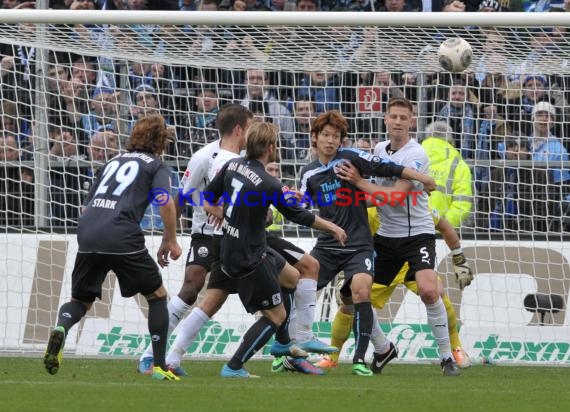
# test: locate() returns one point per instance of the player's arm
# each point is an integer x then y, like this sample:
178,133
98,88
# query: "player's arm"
196,171
304,194
463,272
169,248
269,217
369,164
350,173
291,211
212,193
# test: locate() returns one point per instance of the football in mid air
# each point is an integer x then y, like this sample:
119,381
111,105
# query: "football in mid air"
455,55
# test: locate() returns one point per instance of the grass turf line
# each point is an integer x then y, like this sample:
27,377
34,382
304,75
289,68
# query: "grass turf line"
114,385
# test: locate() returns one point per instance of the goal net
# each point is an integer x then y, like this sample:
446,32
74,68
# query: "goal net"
73,84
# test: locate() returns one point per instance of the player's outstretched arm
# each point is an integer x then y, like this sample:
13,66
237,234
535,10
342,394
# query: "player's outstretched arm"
463,273
169,248
305,218
427,180
350,173
327,226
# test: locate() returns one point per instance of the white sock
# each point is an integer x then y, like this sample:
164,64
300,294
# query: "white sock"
437,319
305,301
293,322
379,340
187,332
177,310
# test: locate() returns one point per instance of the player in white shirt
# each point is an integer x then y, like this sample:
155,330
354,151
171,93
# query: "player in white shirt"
216,293
232,121
407,232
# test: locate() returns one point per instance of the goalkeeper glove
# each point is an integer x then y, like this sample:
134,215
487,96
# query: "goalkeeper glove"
463,272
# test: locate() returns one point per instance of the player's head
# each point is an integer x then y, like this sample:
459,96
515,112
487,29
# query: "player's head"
233,120
149,135
273,169
328,131
262,139
398,117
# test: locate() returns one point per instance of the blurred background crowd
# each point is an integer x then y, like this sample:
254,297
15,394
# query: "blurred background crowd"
497,141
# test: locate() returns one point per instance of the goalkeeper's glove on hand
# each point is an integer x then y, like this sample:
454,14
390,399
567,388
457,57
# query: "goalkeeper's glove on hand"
463,272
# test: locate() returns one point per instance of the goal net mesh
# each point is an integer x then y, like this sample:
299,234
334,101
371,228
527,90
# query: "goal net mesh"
71,93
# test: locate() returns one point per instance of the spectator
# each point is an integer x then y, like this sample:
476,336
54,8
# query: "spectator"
9,151
76,93
541,6
512,196
490,6
145,103
308,5
459,113
203,122
13,123
491,133
304,114
63,145
258,90
66,178
399,5
319,85
103,147
534,90
453,197
16,187
103,113
545,147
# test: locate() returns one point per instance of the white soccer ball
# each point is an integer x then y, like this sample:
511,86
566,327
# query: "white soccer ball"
455,55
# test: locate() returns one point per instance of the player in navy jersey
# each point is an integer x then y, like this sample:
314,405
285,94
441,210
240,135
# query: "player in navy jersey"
110,238
232,121
250,266
407,232
342,203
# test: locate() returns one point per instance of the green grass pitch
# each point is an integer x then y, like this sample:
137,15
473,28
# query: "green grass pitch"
113,385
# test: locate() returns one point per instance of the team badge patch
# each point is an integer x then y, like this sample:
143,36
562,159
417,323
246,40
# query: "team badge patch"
203,251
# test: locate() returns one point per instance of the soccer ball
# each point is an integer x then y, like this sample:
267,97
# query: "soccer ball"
455,55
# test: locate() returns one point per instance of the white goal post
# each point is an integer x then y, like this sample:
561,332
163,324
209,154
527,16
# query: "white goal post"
73,82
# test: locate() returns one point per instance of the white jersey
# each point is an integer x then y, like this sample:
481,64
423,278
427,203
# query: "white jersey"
193,183
216,163
413,218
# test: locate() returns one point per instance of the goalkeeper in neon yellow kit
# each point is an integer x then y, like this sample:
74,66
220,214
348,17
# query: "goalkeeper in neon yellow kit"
342,324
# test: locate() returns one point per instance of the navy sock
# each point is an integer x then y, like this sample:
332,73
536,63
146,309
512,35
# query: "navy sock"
69,314
282,334
158,329
254,339
362,329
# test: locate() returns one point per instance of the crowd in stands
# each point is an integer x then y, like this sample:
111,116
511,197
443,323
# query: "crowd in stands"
468,123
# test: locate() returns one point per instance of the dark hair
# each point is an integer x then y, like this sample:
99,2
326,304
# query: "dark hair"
400,102
333,118
231,115
149,135
259,136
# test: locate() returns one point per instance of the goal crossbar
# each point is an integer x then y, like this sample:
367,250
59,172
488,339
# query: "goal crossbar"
405,19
